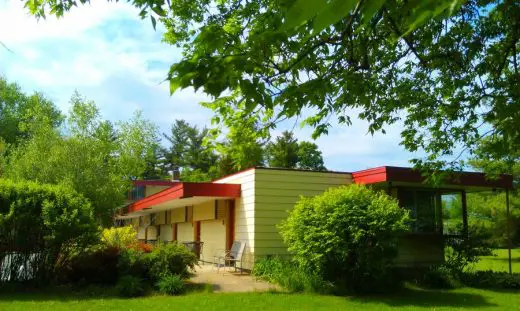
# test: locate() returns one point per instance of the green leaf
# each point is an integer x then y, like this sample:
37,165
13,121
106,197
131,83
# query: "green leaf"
154,22
369,9
301,11
332,13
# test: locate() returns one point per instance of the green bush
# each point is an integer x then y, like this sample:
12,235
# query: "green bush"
120,237
290,276
347,236
130,286
170,285
132,262
97,265
491,280
41,223
169,259
440,277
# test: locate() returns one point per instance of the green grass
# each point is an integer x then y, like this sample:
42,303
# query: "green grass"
500,261
408,299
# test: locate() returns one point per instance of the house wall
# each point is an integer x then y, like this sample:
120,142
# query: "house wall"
149,190
244,213
276,192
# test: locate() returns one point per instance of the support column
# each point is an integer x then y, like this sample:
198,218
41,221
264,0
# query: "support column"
464,213
508,230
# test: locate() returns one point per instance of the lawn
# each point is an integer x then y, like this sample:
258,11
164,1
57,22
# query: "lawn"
500,261
409,299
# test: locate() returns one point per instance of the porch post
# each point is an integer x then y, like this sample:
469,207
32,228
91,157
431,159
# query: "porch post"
464,214
508,230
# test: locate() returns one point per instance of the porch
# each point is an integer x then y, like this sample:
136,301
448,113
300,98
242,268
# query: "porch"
198,215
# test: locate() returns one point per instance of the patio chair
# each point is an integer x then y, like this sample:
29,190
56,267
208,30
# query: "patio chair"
231,256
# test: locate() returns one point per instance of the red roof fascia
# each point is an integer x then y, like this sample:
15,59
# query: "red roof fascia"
370,176
186,190
405,174
154,183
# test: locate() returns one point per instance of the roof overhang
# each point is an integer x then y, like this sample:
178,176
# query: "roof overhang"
410,177
180,195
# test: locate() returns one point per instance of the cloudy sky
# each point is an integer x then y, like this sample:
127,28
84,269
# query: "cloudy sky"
110,56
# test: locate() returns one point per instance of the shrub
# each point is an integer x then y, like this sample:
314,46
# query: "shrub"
121,237
132,262
440,277
170,259
39,222
464,251
289,275
347,236
170,285
142,247
130,286
96,265
491,279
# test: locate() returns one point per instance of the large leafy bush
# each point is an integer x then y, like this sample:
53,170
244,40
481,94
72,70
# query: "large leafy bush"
37,224
170,259
170,285
347,235
120,237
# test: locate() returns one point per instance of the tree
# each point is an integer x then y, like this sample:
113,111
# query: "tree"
188,153
18,110
283,152
309,157
450,80
95,158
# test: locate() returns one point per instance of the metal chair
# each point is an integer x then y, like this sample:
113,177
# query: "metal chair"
231,256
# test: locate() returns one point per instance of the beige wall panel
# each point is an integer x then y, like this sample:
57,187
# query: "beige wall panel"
166,233
204,211
178,215
185,232
213,234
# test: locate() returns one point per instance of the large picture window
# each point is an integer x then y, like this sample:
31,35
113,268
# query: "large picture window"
424,208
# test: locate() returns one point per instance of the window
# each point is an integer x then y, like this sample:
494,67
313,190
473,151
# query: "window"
137,193
424,209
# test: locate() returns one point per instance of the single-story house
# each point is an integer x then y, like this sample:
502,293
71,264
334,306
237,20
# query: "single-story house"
248,205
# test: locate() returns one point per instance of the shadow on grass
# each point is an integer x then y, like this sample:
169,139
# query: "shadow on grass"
75,293
429,298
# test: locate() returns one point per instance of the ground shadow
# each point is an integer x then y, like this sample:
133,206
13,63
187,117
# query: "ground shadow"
429,298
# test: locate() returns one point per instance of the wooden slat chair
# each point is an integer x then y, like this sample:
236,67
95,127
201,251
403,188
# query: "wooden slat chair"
231,256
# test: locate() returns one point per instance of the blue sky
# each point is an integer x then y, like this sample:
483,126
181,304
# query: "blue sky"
110,56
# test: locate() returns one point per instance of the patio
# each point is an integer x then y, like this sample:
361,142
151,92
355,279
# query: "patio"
227,280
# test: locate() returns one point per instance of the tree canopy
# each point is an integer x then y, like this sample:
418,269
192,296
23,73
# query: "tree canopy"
287,152
446,70
92,156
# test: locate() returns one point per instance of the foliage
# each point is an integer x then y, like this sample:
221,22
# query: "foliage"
440,277
119,237
347,235
170,285
188,154
287,152
283,152
289,275
132,262
39,222
492,279
18,110
130,286
464,251
109,156
94,265
170,259
309,157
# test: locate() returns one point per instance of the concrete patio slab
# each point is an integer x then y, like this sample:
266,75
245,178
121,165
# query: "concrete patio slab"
227,280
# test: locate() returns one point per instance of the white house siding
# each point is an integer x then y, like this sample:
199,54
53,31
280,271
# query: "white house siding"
276,192
244,212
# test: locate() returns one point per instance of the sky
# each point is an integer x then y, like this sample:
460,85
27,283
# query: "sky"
111,56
